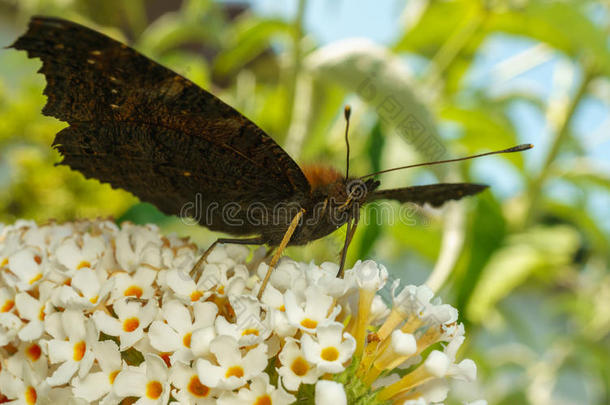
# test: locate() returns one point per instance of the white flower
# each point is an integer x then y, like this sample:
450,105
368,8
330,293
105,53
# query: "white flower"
26,267
330,393
34,311
325,278
331,350
23,389
295,369
132,319
149,381
7,299
233,369
223,279
317,309
259,392
138,246
99,384
72,347
31,355
184,287
138,285
367,275
85,291
9,327
175,335
249,328
189,390
76,252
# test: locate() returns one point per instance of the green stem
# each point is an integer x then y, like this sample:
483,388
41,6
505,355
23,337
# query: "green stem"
296,64
561,135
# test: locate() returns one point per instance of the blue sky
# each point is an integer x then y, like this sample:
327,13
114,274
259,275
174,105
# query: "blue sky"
328,21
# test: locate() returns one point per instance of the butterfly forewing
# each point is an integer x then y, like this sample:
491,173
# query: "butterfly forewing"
433,194
140,126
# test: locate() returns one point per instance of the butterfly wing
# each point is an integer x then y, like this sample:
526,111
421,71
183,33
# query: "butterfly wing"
433,194
142,127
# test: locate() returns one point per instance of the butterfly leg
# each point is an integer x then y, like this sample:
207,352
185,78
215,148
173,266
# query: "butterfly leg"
349,235
198,267
276,256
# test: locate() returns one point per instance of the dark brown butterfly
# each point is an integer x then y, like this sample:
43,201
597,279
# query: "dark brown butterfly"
144,128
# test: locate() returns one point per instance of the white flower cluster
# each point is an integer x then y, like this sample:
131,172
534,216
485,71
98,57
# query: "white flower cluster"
94,313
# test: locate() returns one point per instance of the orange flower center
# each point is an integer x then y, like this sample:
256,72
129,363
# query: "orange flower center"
133,291
30,395
330,353
299,366
195,295
196,388
7,306
154,389
33,352
309,323
131,324
166,358
79,351
38,259
235,371
264,400
186,340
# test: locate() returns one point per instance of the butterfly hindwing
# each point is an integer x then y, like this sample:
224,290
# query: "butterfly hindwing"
140,126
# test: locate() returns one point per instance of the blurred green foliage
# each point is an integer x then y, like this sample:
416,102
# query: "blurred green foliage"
529,273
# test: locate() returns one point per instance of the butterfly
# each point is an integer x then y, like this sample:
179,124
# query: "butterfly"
143,128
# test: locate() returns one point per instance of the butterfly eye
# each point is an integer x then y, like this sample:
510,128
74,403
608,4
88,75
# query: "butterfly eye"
356,189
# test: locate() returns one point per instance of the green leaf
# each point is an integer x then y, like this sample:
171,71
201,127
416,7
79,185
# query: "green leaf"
562,25
486,235
382,81
485,127
537,249
251,37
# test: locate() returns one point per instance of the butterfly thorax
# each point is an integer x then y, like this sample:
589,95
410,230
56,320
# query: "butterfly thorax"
333,201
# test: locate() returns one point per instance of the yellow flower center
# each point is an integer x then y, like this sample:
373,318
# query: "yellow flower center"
250,332
82,264
186,340
195,295
133,291
264,400
154,389
79,351
299,366
35,278
112,376
235,371
330,353
196,388
309,323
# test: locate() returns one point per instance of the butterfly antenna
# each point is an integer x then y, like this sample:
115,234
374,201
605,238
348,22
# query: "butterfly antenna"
347,112
518,148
